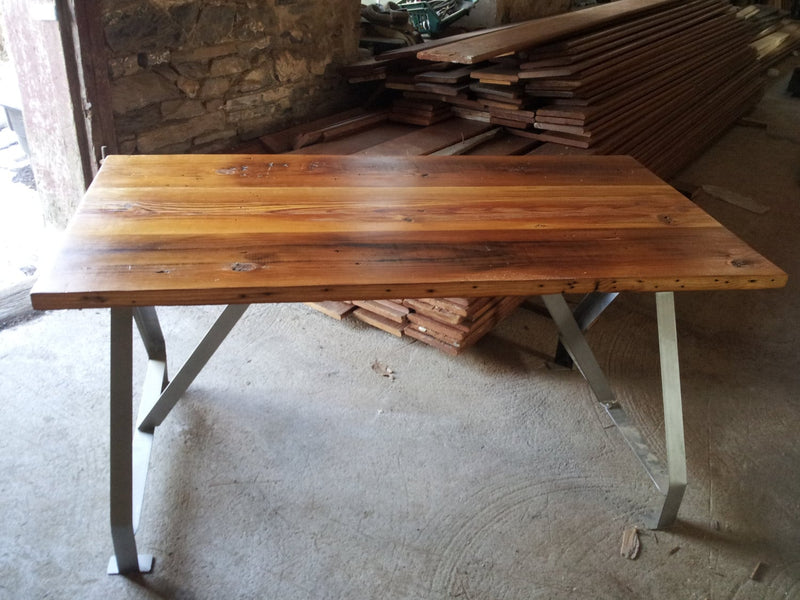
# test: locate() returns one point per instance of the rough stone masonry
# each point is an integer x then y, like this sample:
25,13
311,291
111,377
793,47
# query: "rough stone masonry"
201,75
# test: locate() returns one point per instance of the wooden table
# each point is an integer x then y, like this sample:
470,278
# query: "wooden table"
237,229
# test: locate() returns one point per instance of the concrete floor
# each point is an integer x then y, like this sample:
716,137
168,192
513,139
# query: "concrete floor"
293,469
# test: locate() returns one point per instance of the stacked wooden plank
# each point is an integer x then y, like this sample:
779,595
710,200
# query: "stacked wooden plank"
657,88
389,315
454,324
499,42
491,93
656,79
418,112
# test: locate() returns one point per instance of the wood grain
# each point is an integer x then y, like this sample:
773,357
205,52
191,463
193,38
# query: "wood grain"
219,229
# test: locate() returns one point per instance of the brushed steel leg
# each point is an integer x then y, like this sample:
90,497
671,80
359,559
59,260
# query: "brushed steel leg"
125,559
671,482
673,411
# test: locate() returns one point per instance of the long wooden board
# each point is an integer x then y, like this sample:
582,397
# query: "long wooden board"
427,140
359,141
563,52
537,31
632,46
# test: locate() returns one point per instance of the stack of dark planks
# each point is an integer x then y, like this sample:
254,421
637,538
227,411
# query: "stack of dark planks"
657,87
657,79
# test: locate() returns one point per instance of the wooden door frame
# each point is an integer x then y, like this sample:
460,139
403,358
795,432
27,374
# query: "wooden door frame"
86,58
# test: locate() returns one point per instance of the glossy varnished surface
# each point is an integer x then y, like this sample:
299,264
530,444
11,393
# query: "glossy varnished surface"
216,229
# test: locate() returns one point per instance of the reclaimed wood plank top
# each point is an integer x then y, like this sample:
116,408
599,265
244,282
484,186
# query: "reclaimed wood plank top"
219,229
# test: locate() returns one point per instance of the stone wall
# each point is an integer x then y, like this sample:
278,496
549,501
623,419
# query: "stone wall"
201,75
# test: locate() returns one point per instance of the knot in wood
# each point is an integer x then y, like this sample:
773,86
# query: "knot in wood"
237,266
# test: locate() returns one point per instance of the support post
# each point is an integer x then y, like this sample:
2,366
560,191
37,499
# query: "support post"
125,559
673,410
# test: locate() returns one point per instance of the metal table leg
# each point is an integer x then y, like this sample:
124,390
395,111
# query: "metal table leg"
130,456
673,410
671,481
125,559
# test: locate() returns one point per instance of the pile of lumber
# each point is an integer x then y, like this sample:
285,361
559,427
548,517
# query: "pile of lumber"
657,87
448,324
656,79
389,315
454,324
491,94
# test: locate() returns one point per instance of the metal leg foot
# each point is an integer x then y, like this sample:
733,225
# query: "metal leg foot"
145,565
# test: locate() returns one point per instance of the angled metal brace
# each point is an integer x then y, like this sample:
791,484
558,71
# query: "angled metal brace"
586,312
671,482
154,414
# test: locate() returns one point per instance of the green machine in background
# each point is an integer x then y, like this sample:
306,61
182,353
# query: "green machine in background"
432,16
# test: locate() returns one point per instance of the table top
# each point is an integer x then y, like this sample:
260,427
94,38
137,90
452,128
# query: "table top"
221,229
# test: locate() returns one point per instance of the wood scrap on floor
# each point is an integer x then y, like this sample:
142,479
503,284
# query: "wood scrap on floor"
729,196
631,546
758,571
383,370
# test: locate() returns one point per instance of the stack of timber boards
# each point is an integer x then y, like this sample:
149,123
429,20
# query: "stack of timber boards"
448,324
657,87
454,324
655,79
